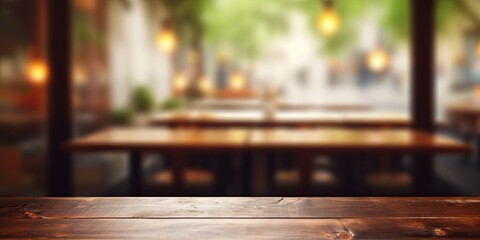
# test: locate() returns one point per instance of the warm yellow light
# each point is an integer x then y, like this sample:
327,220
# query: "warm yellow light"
478,48
237,82
205,85
166,40
79,74
477,92
378,60
180,83
37,72
328,22
88,5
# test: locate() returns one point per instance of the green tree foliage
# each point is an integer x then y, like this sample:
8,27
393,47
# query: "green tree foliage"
243,28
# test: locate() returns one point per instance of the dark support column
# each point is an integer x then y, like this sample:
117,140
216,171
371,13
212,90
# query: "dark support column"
477,153
306,161
179,162
423,88
270,172
135,168
247,174
59,99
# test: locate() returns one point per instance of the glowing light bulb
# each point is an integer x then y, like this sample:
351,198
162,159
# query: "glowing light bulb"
180,83
37,72
205,86
166,40
377,60
237,82
328,22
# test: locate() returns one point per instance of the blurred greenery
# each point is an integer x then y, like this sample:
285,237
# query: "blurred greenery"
121,116
244,28
172,103
85,32
142,99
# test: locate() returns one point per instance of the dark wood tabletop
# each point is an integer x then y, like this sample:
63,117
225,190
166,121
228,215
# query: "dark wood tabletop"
240,218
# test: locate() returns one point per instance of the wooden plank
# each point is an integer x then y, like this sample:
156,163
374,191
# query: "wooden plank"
158,139
353,140
236,208
364,228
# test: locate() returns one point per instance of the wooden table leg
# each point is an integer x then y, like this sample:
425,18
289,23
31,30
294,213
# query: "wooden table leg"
179,161
477,153
423,175
270,173
306,171
247,174
135,186
348,174
223,173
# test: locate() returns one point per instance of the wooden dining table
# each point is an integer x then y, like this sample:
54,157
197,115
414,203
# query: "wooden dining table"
176,143
248,142
239,218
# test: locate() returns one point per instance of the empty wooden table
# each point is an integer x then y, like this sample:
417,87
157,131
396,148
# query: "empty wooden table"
240,218
302,142
343,141
176,142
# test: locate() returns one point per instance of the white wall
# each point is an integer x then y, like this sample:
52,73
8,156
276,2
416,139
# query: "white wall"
133,57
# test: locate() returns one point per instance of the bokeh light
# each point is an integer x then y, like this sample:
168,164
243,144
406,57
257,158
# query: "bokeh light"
37,72
328,22
378,60
166,40
237,82
180,83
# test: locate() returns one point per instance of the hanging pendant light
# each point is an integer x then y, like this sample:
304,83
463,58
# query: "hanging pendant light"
378,60
166,39
328,22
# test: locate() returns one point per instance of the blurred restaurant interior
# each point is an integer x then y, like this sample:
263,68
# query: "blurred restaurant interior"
238,98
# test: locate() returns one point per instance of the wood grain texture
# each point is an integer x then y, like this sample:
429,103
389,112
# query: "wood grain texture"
365,228
240,218
258,208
